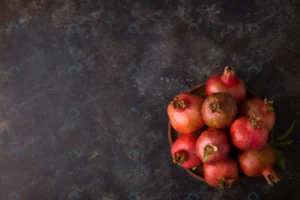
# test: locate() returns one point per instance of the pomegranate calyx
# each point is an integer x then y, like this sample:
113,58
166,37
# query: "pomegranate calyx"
229,71
269,105
271,176
225,183
208,151
254,123
180,157
229,76
254,120
215,106
178,103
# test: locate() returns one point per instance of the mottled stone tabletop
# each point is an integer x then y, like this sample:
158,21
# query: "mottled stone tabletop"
85,84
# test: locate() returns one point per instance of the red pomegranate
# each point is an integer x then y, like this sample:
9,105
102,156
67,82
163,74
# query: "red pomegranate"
259,162
247,133
185,113
222,173
227,82
219,110
263,108
212,145
184,153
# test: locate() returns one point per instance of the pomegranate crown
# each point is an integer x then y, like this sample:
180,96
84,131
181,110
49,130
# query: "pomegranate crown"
229,70
178,103
269,105
254,119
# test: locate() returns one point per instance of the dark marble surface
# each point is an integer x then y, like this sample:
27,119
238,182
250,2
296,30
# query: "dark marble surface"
85,84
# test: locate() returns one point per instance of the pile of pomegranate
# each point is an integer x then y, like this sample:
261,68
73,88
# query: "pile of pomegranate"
229,122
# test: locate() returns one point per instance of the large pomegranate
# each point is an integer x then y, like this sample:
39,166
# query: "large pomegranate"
248,133
185,113
227,82
222,173
184,153
219,110
259,162
264,108
212,145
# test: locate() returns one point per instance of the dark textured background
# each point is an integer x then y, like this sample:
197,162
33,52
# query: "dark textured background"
84,88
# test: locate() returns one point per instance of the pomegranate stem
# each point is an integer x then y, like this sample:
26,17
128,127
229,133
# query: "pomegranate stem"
254,120
178,103
254,123
229,75
208,151
225,183
180,157
269,105
229,71
271,176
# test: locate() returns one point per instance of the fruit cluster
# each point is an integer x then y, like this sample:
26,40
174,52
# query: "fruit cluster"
228,121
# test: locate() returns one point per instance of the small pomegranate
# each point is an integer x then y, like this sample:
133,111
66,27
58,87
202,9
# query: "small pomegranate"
219,110
247,133
227,82
184,153
259,162
221,174
212,145
185,113
263,108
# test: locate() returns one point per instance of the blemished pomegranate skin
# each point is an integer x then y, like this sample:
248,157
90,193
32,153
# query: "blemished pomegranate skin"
247,135
259,163
219,110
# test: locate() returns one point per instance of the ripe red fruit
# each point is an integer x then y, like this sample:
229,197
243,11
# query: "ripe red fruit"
183,151
259,162
263,108
212,145
222,173
219,110
185,113
247,133
227,82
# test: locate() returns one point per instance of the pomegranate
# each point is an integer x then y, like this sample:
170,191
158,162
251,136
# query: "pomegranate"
259,162
212,145
247,133
221,174
227,82
219,110
264,108
184,153
185,113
